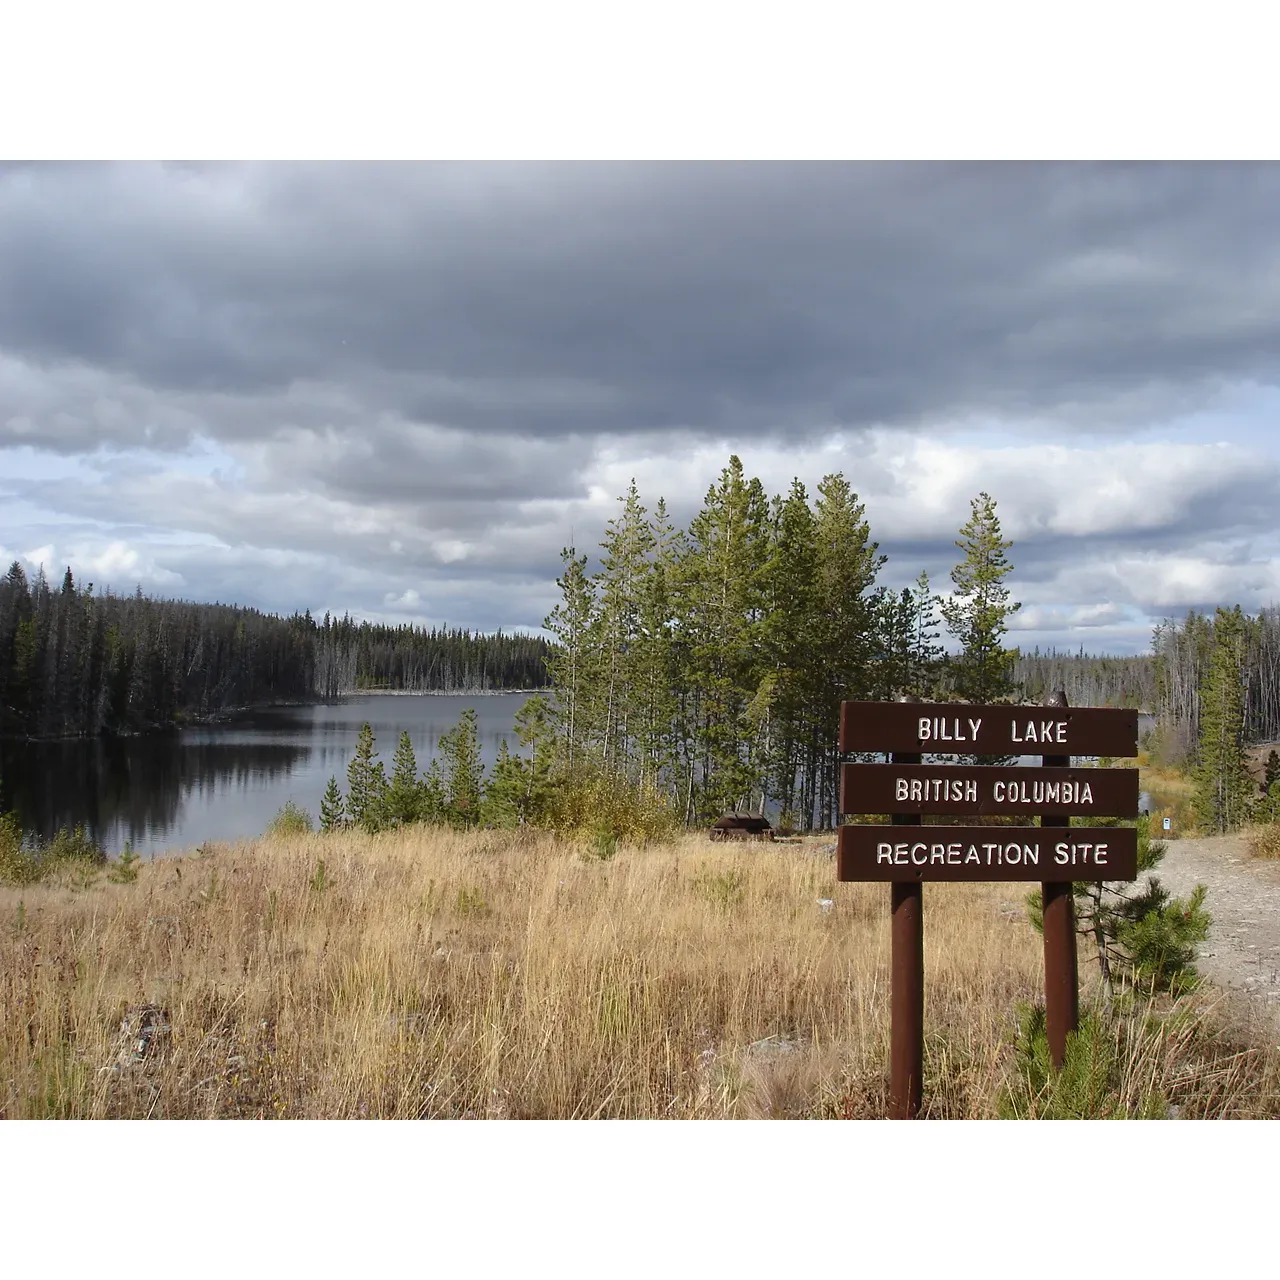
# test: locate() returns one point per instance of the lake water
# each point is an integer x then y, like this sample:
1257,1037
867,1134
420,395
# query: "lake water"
173,791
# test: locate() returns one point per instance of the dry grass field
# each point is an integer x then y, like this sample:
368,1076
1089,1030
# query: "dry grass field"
425,973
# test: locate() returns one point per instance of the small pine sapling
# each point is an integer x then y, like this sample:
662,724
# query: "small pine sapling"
125,868
1141,934
332,810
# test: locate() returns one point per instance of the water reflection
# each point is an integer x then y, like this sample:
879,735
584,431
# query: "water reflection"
226,781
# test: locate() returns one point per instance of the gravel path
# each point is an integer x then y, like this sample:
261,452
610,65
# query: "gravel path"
1242,952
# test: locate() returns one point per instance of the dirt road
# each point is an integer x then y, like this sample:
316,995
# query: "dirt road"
1242,953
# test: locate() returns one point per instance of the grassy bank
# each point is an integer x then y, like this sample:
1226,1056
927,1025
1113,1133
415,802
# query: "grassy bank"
430,973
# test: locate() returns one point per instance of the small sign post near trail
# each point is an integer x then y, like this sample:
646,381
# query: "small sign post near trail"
909,851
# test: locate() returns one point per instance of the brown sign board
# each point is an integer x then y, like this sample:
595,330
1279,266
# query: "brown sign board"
1040,854
957,728
989,790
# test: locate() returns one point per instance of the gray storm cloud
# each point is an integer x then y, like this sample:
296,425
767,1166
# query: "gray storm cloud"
429,366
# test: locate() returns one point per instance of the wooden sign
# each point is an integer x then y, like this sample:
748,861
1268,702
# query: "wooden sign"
1054,854
1040,854
987,790
959,728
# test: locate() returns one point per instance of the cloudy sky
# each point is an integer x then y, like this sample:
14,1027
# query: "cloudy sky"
400,390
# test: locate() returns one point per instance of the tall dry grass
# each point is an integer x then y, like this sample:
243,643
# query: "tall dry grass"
424,973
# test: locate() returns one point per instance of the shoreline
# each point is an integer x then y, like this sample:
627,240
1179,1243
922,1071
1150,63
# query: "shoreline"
226,714
435,693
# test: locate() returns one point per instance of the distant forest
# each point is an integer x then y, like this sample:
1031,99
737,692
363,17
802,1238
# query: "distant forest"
75,662
1088,680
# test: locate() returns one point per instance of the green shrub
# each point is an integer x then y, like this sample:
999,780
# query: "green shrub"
25,859
292,820
1089,1086
125,869
599,804
1264,842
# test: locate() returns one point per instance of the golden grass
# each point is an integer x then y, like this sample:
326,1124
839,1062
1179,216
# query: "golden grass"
1263,840
425,973
1171,793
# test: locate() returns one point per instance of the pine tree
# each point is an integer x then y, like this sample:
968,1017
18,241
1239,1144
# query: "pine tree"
1224,792
366,784
926,654
1141,935
653,675
505,790
721,606
404,795
535,730
843,636
894,619
463,771
619,586
792,602
1271,774
574,666
331,807
979,609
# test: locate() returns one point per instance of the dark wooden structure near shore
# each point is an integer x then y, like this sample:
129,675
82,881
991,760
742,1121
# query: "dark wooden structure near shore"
741,826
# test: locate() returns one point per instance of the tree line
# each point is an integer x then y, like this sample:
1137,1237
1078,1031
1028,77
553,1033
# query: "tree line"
365,655
1088,680
80,662
1183,654
710,662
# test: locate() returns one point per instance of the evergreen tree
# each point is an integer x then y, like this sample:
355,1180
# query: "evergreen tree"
331,807
790,622
463,771
894,615
1271,774
535,730
926,653
504,792
721,606
574,666
978,611
433,801
843,637
654,679
620,585
404,795
1224,792
1141,935
366,784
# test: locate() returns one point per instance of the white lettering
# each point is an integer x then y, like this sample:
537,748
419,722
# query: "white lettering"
975,725
884,853
900,789
1083,854
1086,794
997,792
923,729
921,849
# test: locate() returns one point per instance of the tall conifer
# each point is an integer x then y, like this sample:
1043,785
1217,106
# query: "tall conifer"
1224,792
977,613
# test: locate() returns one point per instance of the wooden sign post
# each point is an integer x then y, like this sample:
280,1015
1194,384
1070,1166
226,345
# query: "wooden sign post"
909,851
